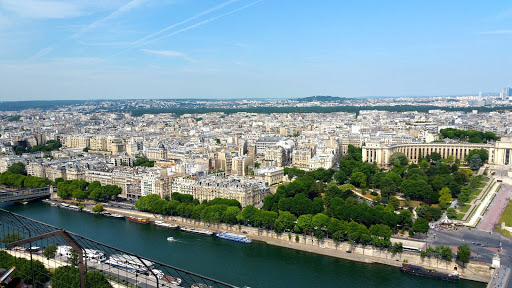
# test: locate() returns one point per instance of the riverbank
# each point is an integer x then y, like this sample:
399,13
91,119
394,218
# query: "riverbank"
480,272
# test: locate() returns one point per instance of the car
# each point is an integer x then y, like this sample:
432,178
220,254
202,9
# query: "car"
348,251
245,232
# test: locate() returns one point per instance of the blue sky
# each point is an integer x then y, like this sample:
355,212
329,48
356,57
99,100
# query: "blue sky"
83,49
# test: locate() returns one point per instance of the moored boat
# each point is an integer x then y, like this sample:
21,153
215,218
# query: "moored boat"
196,231
431,273
233,237
138,220
70,207
130,263
166,225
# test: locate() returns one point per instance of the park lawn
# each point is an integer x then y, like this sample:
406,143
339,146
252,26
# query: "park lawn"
464,209
505,233
507,215
413,203
460,216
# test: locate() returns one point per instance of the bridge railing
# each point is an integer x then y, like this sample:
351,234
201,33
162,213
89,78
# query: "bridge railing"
44,255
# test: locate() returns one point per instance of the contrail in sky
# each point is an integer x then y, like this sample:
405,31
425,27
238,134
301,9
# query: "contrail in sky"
143,43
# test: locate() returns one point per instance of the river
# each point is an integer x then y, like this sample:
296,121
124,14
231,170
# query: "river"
257,265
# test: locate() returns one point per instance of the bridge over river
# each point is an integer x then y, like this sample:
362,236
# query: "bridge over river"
24,195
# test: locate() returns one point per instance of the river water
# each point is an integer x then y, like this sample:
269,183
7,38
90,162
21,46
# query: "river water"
257,265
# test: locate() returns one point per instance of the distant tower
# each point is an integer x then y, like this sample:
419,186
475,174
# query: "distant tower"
480,94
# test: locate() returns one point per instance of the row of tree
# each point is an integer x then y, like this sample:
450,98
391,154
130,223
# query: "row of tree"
16,176
471,136
50,145
81,189
446,253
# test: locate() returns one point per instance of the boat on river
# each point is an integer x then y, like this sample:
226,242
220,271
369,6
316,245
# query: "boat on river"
196,231
70,207
138,220
233,237
130,263
166,225
170,239
430,273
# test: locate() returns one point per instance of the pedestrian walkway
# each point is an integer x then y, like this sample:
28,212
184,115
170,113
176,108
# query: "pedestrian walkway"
500,279
475,218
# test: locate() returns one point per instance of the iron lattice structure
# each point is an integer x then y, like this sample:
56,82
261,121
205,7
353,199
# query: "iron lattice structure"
44,255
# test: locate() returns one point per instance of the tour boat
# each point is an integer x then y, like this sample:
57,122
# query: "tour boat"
200,285
171,280
166,225
130,263
138,220
196,231
233,237
70,207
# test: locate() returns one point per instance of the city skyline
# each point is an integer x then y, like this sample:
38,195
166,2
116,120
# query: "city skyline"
251,49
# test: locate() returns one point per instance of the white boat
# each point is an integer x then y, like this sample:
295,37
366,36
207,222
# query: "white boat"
170,280
116,216
170,239
196,231
130,263
70,207
233,237
166,225
89,254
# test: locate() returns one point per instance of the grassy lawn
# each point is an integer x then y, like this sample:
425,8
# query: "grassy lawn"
413,203
507,215
460,216
464,209
505,233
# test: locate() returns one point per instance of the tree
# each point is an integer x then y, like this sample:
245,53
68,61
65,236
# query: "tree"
304,223
50,251
475,162
435,156
446,253
11,237
358,179
394,202
98,208
420,225
451,213
387,187
463,253
445,196
17,168
286,220
69,276
230,215
397,248
73,258
398,158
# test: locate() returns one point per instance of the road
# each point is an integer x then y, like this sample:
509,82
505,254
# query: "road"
467,236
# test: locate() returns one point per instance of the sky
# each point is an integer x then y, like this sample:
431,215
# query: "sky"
119,49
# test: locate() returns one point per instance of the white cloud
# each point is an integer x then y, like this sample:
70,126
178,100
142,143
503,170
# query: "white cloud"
497,32
42,9
168,53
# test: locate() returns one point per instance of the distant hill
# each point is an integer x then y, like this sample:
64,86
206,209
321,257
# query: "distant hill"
322,99
37,104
